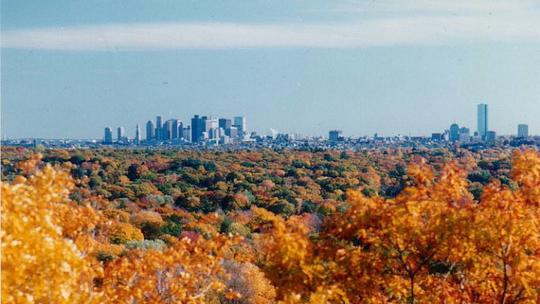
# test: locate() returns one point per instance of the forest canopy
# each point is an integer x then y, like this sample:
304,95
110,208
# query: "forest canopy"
370,226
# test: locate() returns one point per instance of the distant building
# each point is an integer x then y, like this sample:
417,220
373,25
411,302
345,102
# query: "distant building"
491,136
137,139
187,133
180,130
197,129
224,140
464,134
454,132
159,129
233,132
108,137
274,133
437,136
168,129
149,130
335,135
225,123
119,133
523,131
174,129
213,133
240,124
211,127
482,120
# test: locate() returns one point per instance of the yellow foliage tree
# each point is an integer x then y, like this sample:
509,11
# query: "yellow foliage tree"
39,264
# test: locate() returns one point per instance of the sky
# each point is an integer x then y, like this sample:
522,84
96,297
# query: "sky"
407,67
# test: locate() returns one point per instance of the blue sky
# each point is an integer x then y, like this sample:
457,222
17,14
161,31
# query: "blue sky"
70,68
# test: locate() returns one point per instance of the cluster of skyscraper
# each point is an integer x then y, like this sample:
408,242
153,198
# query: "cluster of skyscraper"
457,134
222,130
203,129
209,130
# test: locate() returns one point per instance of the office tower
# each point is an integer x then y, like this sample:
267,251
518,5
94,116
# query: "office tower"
334,135
204,118
211,123
166,130
197,128
108,138
212,133
159,128
233,132
454,132
180,130
174,127
523,131
170,128
137,138
240,123
149,130
482,120
119,133
187,133
225,123
224,140
211,126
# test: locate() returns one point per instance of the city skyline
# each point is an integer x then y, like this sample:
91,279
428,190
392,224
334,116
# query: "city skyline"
205,129
122,132
454,133
388,67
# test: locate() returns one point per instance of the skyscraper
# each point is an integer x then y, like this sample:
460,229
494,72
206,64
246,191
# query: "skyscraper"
211,126
168,130
159,128
119,133
482,120
187,133
149,130
233,132
180,130
107,138
240,123
137,138
225,123
174,128
197,128
523,131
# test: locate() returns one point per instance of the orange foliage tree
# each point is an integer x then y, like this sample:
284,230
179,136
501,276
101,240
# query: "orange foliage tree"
39,264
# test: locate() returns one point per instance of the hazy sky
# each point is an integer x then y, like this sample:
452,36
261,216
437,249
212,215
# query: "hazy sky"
70,68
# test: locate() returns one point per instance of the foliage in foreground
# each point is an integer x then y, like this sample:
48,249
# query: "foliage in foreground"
433,242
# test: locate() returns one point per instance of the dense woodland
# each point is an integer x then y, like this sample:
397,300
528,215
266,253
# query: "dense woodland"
291,226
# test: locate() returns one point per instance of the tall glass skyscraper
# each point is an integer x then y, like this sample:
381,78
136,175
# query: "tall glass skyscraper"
150,133
107,139
482,120
159,128
119,133
240,123
523,131
197,128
